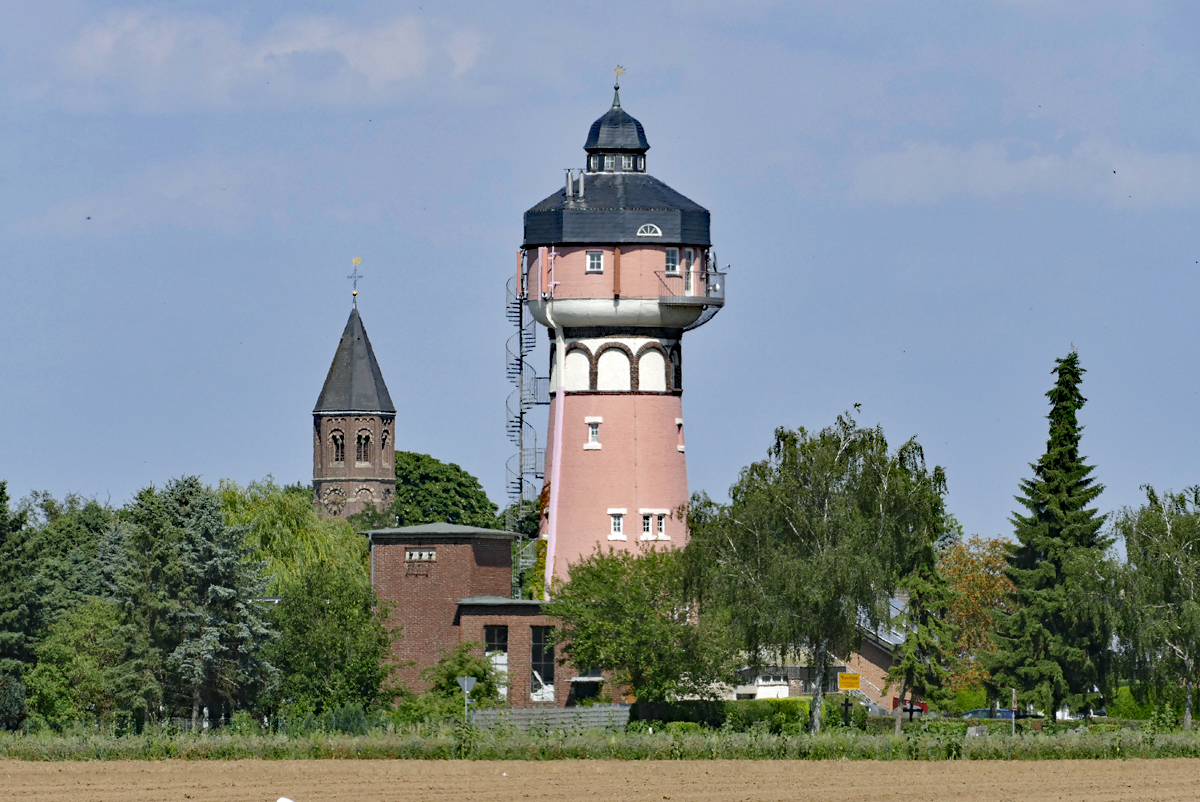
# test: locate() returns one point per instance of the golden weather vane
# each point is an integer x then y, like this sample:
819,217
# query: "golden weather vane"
619,71
354,277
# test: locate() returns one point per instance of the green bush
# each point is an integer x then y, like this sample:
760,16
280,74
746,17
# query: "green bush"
12,702
834,714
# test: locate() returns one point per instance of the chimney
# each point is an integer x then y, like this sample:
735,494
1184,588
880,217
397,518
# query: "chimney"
581,184
570,183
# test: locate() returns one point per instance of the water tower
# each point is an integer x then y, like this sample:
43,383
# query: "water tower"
617,266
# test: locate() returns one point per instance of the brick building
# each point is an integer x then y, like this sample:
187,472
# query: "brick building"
451,584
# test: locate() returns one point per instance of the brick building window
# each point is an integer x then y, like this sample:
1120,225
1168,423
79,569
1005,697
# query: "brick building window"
593,432
541,659
495,647
662,526
646,520
362,450
595,261
618,523
339,447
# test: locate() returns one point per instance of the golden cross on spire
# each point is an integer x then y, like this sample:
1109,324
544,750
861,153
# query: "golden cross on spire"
355,276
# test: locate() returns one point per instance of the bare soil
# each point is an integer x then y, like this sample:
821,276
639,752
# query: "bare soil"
576,781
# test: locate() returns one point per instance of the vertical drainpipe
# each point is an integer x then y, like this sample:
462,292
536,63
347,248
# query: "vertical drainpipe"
617,272
560,395
371,554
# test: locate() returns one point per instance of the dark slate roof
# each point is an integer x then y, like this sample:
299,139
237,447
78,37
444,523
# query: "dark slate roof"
616,131
620,191
354,382
614,206
441,530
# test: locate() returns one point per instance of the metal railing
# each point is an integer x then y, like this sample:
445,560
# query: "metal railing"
691,289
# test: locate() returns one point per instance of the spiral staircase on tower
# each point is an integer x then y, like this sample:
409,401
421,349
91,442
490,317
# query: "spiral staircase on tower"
526,468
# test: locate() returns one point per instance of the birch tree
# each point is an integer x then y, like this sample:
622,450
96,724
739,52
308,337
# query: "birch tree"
810,546
1161,589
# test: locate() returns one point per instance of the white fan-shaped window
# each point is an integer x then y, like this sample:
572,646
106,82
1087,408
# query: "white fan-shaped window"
612,370
652,372
577,371
649,230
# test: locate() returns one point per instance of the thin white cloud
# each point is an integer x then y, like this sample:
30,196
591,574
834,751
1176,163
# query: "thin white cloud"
1120,175
157,62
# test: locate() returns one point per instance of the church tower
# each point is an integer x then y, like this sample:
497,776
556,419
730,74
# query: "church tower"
354,464
617,266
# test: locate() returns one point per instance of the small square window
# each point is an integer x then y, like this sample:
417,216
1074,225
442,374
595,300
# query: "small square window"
593,433
595,261
673,261
610,163
618,523
626,162
646,524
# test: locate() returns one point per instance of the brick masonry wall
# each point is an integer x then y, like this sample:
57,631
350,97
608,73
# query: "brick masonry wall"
520,620
426,595
872,663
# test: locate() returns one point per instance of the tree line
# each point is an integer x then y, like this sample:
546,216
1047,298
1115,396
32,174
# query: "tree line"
835,536
192,602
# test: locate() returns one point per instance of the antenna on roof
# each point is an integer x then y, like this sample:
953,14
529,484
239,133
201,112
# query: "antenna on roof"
355,276
619,71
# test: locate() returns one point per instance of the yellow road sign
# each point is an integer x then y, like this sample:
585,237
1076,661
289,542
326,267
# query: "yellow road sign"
849,682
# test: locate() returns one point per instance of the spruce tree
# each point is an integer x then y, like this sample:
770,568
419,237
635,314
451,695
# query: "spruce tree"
1053,647
921,668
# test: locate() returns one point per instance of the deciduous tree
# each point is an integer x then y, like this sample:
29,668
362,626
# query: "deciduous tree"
812,542
974,570
1161,590
333,641
627,613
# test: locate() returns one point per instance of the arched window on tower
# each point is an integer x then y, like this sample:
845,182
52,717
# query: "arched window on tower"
362,451
383,441
339,447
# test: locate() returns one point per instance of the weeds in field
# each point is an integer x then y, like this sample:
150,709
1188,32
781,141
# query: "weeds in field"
670,743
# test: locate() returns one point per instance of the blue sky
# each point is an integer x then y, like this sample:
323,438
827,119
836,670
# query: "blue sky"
923,205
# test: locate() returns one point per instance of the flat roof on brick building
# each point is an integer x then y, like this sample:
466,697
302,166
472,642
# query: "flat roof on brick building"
441,530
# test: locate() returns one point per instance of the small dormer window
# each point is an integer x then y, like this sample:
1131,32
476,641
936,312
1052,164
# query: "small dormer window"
595,162
627,163
641,164
651,230
610,162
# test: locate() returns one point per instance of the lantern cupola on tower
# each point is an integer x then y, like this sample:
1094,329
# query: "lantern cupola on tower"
616,142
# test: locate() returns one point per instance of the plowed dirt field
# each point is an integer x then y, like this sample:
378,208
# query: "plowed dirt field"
577,781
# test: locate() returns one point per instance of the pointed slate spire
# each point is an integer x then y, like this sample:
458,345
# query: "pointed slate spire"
354,383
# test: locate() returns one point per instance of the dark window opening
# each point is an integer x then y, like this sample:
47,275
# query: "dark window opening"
362,452
339,447
542,654
495,639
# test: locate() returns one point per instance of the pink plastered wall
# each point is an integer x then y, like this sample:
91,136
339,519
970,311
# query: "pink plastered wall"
639,465
638,266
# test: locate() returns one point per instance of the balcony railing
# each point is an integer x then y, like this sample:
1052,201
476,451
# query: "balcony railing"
694,289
